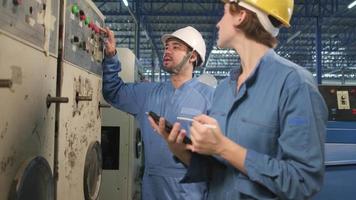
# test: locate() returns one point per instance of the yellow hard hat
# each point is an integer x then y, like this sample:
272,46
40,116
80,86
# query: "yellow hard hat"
282,10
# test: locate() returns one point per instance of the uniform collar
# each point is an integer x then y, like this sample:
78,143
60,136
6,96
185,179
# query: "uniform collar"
186,84
234,73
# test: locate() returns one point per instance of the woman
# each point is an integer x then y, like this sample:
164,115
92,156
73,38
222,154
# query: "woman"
269,116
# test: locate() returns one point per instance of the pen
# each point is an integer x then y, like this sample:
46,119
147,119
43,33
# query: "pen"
192,120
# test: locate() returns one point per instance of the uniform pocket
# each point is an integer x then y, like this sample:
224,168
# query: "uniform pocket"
263,125
259,136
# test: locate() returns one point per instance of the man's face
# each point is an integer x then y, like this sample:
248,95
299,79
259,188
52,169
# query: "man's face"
174,53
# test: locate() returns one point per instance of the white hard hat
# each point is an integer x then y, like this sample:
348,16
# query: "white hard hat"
190,36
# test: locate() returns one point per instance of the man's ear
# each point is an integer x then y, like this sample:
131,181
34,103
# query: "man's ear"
194,57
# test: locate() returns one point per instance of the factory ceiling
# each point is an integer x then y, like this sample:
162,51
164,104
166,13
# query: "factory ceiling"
322,37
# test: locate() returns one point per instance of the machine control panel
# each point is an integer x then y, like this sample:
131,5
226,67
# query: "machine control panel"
34,21
341,102
83,42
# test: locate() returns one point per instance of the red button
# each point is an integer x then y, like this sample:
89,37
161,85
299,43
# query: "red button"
97,30
91,24
82,17
354,111
93,27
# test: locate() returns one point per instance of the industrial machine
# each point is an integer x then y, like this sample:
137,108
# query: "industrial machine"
78,148
121,143
340,147
341,101
28,66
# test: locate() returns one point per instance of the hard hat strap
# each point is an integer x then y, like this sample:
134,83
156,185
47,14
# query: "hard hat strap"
182,63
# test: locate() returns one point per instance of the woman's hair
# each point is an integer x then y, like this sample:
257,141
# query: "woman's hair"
252,27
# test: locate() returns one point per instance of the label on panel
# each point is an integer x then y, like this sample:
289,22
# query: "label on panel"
343,100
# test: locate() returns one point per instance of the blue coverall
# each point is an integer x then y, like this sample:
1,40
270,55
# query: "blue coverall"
279,116
161,173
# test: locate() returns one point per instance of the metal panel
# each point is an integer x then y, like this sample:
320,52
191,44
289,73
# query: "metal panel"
83,42
340,176
26,124
124,182
34,21
341,102
341,132
79,127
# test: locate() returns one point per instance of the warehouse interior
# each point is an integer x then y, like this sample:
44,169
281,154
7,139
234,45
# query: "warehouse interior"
59,138
321,35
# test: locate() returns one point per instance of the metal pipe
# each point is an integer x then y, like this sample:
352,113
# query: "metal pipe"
51,100
104,105
83,98
5,83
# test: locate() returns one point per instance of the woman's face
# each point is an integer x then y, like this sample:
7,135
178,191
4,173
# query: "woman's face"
226,28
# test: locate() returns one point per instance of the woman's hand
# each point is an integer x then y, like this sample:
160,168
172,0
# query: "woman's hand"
206,135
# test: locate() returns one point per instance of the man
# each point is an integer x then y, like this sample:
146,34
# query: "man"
181,96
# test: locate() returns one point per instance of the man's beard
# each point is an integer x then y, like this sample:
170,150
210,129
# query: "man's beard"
176,69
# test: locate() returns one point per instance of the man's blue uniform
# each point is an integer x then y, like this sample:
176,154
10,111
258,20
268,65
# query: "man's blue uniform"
162,173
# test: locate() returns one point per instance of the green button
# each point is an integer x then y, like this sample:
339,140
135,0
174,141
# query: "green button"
87,21
75,9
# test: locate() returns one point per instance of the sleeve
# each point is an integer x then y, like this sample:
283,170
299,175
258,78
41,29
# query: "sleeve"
297,172
129,97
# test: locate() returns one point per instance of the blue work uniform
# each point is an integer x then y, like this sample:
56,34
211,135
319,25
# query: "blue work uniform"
279,116
161,173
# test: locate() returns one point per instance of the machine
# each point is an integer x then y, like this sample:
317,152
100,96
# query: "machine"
28,66
78,148
121,143
340,147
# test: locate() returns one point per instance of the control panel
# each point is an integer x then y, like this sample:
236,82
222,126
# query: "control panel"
83,42
34,21
341,102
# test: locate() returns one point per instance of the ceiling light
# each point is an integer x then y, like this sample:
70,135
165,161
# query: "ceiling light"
126,3
351,5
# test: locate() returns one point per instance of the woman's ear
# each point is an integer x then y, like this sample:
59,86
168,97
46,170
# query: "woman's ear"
240,17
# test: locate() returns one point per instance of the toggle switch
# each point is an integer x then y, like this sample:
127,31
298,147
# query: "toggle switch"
82,15
75,39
